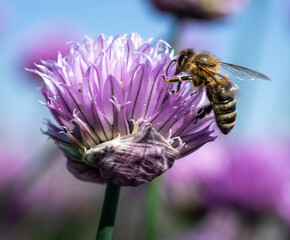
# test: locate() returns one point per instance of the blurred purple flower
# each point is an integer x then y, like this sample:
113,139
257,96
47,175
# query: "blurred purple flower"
228,224
41,193
217,225
44,43
58,191
250,176
119,119
10,167
203,9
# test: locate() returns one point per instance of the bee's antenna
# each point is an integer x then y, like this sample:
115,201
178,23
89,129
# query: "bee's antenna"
169,66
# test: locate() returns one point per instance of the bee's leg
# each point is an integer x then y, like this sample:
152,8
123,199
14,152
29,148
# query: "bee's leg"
202,112
179,80
208,109
194,89
178,86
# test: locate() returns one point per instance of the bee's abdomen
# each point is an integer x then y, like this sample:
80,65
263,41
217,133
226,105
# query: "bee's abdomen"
225,114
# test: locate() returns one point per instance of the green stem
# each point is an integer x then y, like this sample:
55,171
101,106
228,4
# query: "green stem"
106,225
152,206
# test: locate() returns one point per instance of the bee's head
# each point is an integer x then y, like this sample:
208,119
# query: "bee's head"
182,59
204,59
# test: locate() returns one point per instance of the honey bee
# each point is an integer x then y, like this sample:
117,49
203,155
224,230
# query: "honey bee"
204,70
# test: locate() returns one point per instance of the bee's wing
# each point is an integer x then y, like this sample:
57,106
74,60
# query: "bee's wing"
243,73
236,91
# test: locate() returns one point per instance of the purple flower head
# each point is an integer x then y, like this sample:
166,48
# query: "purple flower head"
118,119
251,176
202,9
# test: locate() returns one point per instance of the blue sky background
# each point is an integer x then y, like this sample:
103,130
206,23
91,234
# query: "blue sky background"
258,38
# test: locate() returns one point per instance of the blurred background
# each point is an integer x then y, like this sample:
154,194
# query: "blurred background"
235,188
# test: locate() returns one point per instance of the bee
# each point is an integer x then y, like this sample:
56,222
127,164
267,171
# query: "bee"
204,70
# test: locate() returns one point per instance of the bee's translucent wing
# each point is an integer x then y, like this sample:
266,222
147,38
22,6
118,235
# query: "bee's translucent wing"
243,73
236,91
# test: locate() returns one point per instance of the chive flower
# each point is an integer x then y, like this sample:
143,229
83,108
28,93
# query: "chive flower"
117,120
252,176
43,43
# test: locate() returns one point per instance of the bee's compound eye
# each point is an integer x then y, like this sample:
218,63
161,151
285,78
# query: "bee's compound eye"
181,58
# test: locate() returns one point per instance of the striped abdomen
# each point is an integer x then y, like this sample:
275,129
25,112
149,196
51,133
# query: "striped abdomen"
223,102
